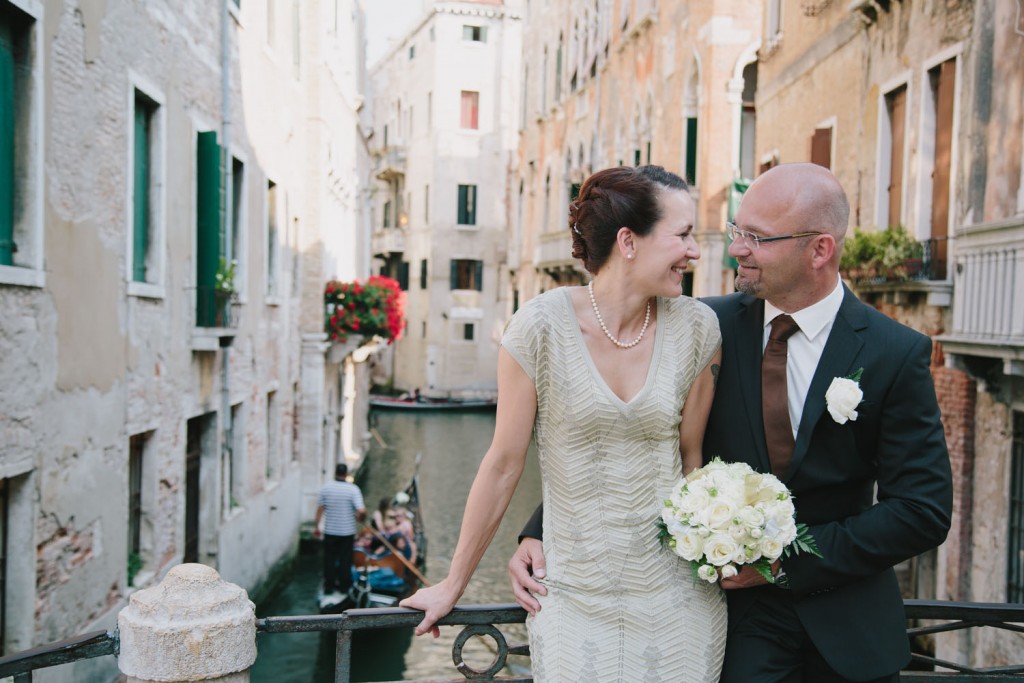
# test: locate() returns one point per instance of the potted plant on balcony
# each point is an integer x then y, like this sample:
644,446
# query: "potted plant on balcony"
374,307
225,293
881,255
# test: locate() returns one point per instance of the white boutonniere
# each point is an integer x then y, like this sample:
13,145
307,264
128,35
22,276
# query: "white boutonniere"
843,397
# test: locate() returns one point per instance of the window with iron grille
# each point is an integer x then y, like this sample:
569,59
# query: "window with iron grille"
1015,573
476,34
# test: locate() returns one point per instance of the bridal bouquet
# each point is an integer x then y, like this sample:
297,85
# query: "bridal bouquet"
725,514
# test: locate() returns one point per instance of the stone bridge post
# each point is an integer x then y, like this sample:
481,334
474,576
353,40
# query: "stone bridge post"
193,626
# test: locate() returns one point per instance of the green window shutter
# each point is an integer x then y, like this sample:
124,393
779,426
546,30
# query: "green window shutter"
454,280
208,242
691,150
463,215
478,279
140,235
6,139
403,276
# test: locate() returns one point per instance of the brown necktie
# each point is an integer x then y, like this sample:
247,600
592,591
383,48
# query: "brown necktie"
778,430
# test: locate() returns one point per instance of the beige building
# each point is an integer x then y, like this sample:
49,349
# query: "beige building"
917,107
178,180
630,82
444,108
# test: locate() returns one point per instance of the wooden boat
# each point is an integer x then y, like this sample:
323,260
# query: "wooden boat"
383,578
424,403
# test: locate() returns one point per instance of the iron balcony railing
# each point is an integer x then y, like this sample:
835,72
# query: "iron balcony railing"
481,620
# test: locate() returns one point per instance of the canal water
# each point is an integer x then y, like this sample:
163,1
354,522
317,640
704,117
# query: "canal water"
452,445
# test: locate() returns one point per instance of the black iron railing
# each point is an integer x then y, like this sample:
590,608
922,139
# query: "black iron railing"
926,617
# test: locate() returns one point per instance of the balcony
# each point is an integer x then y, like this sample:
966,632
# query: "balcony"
553,249
988,286
387,241
391,162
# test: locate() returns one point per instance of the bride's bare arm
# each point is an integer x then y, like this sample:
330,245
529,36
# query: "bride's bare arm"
490,494
695,415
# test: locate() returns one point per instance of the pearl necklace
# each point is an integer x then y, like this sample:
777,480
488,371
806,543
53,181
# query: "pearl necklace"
600,321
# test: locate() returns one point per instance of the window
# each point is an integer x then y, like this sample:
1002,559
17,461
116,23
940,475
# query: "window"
136,450
691,150
1015,573
467,274
821,147
558,70
208,242
403,276
748,121
774,20
412,52
237,476
470,109
387,214
146,234
238,221
467,204
273,240
4,507
21,224
476,34
426,203
467,331
430,111
937,138
423,329
892,134
423,273
273,436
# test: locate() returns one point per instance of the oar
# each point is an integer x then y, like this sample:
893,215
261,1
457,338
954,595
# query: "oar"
398,553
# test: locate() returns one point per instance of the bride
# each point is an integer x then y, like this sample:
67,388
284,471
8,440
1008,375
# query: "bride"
614,381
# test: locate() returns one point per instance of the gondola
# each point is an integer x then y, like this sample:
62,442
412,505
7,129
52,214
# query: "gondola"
383,578
424,403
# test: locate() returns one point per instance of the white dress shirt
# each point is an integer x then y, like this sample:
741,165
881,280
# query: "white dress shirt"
805,346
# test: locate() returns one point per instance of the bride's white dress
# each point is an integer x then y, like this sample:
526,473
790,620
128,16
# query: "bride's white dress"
620,607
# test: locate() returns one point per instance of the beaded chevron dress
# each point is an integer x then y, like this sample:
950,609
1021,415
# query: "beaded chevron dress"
619,607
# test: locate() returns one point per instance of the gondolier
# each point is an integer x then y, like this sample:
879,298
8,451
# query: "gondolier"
342,502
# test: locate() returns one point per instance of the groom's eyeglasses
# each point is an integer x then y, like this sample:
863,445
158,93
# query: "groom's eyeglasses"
754,241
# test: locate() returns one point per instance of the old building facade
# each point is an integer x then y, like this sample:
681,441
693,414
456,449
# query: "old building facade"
632,82
177,182
916,106
444,138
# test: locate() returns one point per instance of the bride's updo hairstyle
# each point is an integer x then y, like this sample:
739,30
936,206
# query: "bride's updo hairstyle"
624,196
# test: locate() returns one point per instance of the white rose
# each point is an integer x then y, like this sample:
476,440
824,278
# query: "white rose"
720,549
708,573
694,500
689,545
843,397
729,571
751,517
738,533
771,548
720,513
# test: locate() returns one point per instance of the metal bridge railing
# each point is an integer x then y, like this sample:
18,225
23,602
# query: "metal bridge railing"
482,620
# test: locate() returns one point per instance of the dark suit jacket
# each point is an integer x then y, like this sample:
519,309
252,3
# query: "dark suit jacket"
848,600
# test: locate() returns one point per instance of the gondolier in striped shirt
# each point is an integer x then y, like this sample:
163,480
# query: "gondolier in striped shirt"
342,504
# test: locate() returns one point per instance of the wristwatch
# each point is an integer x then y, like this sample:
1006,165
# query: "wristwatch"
782,579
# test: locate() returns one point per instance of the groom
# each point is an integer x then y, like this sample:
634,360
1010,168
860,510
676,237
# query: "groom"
875,490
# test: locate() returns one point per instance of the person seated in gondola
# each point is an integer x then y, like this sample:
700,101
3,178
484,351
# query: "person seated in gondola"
404,527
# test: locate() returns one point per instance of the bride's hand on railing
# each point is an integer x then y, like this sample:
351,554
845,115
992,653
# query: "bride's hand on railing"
435,602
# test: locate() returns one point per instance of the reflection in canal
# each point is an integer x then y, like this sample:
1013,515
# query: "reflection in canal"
452,445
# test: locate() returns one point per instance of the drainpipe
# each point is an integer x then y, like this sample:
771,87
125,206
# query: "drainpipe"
227,196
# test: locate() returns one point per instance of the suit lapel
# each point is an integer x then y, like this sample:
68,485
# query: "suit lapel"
837,359
748,337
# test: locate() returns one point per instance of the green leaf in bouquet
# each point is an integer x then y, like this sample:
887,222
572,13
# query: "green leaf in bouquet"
764,568
803,543
663,535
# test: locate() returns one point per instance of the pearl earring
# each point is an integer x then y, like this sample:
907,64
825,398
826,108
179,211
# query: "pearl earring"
629,256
